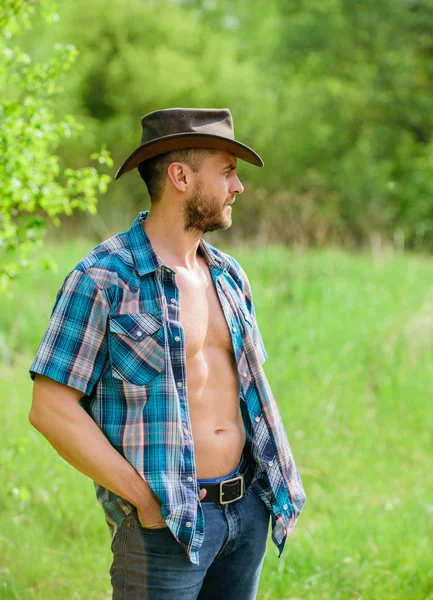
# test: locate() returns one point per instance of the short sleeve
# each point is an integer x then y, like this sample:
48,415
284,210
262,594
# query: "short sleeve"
73,350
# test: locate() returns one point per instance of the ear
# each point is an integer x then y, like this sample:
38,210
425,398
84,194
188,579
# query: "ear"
180,175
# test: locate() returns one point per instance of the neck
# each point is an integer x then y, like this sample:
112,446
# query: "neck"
170,241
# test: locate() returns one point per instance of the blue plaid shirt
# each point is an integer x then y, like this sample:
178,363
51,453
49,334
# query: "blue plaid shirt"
115,335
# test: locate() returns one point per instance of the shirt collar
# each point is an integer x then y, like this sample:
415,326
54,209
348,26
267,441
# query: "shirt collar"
145,258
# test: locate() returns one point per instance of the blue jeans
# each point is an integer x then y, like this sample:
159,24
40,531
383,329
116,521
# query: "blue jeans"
151,565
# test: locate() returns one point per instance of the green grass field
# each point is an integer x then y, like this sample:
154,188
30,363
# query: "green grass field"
351,366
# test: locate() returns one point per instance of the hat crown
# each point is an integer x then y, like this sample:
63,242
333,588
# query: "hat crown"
172,121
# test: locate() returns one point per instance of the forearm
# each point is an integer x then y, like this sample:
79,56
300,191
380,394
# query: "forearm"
77,438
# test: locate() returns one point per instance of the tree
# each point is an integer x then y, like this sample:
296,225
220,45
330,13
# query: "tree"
33,191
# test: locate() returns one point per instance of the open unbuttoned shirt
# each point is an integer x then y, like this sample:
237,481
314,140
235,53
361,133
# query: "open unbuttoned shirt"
115,334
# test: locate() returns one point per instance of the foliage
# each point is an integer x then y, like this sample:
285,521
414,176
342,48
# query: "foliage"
32,194
337,96
355,104
134,61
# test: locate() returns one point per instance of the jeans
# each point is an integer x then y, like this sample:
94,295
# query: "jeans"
151,565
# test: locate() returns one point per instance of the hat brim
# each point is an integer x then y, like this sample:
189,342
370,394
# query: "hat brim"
180,141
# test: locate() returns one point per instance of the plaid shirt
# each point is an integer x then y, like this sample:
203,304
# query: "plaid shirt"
115,335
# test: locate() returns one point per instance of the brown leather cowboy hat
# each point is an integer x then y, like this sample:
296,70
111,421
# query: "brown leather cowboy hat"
179,128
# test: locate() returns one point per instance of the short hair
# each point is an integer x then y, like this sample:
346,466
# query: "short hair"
154,170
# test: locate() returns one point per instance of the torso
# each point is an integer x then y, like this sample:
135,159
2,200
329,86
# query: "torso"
212,377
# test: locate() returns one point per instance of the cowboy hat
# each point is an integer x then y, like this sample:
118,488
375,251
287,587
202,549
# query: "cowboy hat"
179,128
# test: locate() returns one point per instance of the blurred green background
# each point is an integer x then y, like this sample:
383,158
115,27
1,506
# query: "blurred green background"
336,95
335,234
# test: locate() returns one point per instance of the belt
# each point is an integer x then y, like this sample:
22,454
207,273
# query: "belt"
229,490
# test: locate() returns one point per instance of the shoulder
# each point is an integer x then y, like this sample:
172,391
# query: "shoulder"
109,264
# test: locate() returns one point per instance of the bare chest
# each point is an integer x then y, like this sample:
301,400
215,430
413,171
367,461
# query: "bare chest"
201,314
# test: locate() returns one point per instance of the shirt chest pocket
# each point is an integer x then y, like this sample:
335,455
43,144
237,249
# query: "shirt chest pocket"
136,346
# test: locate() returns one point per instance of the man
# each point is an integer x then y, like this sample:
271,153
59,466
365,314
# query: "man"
149,380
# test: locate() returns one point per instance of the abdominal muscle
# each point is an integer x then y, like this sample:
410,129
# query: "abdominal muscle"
216,420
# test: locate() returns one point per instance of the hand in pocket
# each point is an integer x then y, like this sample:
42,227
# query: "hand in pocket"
151,517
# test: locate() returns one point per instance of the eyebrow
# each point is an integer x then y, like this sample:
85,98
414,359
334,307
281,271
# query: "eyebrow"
230,166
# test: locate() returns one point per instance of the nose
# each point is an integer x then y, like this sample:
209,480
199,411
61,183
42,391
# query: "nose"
237,187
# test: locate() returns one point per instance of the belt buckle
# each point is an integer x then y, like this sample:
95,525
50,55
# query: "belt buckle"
229,481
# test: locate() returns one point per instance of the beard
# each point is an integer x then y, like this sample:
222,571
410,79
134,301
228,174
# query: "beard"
203,212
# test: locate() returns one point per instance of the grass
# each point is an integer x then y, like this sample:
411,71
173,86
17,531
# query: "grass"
350,363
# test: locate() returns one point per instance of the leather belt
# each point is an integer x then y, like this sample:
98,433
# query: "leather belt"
229,490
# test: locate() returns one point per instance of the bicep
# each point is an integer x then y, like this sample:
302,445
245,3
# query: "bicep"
50,397
47,390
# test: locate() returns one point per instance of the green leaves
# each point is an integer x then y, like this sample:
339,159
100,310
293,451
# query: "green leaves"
336,96
31,192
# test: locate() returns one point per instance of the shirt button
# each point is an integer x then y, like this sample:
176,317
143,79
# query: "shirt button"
179,384
270,463
234,329
257,419
285,507
190,479
245,374
173,300
188,523
138,333
177,338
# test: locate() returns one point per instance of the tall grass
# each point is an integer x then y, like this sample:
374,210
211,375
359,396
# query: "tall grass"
351,365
